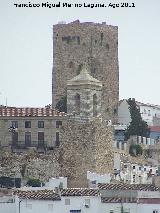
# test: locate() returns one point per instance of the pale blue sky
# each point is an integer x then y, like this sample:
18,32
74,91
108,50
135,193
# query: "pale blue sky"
26,48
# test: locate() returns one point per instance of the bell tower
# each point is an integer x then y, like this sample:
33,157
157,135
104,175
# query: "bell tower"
84,96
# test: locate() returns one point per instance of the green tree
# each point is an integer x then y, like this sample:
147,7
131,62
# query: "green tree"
135,149
137,125
34,182
62,104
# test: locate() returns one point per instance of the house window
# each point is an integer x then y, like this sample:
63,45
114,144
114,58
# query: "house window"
155,211
134,167
67,201
111,211
28,206
14,124
57,138
58,124
87,202
50,207
40,124
27,124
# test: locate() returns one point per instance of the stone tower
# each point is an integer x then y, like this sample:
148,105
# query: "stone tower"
94,44
84,96
86,140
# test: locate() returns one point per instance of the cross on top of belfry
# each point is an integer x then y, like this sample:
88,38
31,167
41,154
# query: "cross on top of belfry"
84,78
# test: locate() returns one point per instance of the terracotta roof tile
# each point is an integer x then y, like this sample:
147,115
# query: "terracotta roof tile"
29,112
140,187
38,195
80,192
118,200
154,128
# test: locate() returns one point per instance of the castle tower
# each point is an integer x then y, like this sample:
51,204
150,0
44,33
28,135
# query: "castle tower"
84,96
86,140
76,44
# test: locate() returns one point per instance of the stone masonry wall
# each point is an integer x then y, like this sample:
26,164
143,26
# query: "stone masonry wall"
85,147
29,165
93,44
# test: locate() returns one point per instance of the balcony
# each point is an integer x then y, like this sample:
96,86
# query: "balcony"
41,146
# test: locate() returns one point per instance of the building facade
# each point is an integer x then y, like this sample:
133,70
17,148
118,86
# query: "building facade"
107,198
22,128
94,44
149,113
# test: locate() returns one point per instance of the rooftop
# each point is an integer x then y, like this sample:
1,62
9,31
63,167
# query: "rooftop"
38,195
84,78
155,128
80,192
119,186
28,112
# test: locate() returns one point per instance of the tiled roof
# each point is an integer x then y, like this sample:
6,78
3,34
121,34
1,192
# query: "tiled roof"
147,104
38,195
118,200
154,128
149,200
142,104
80,192
29,112
139,187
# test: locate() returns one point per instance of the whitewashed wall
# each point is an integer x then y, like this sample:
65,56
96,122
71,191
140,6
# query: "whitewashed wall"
7,208
123,113
148,208
76,203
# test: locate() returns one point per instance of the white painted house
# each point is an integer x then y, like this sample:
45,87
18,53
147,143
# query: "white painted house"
107,198
148,112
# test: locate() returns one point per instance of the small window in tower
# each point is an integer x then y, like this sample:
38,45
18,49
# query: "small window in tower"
77,103
101,39
107,46
95,105
78,40
101,36
79,68
115,111
93,71
57,139
71,64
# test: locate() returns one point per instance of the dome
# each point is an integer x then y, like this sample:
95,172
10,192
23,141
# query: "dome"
84,78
